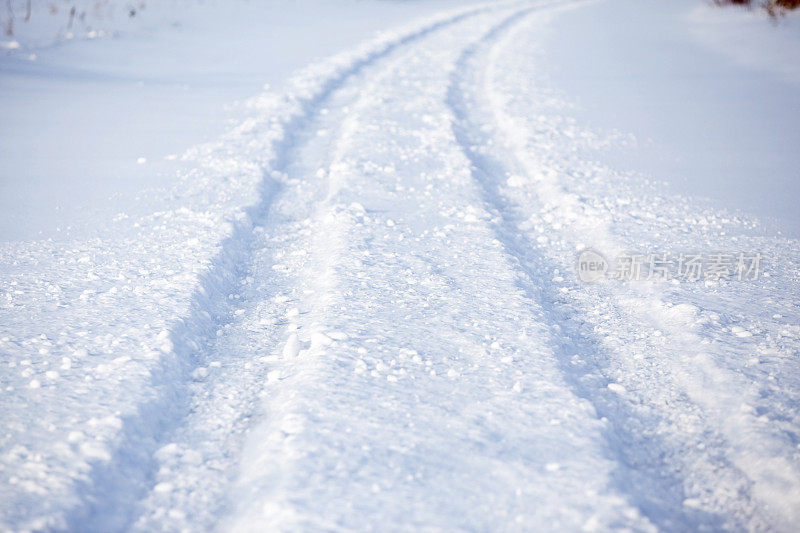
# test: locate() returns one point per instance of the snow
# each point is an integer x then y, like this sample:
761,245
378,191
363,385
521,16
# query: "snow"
730,31
692,116
358,307
175,76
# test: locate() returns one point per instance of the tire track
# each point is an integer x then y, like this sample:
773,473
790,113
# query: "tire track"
646,460
106,501
304,202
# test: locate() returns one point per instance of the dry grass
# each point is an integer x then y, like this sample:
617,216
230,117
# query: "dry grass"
773,7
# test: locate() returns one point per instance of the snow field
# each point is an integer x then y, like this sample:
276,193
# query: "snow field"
391,333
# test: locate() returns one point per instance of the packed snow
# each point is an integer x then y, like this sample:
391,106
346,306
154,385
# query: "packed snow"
365,305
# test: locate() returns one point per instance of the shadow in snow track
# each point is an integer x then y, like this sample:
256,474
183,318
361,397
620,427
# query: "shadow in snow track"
632,441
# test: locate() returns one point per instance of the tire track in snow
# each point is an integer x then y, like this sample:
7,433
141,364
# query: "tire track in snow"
198,500
288,481
685,473
651,485
109,491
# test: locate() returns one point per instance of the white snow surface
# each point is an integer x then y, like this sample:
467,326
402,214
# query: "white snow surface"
358,310
705,98
95,124
742,36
